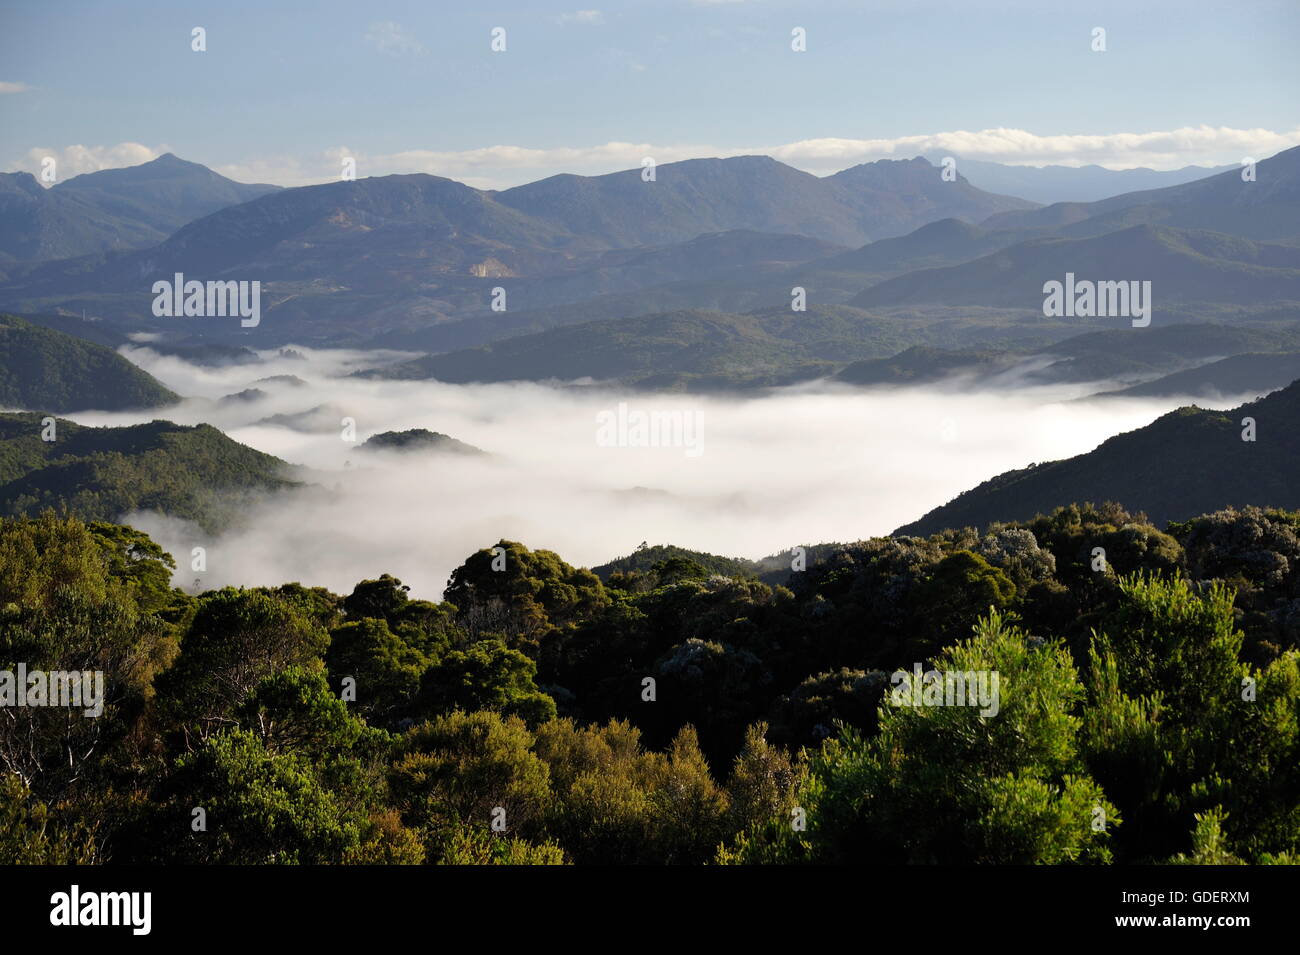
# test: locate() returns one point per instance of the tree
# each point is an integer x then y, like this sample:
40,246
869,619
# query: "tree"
522,594
1179,725
386,669
948,784
463,768
237,639
486,675
259,808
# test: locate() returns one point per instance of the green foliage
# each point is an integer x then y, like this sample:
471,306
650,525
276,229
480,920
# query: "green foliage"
946,784
961,586
1134,720
459,768
469,846
45,370
1208,844
532,593
237,639
67,604
261,807
486,675
195,473
387,669
1179,725
30,834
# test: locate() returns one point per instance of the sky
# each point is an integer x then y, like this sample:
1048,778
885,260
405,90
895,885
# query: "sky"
285,90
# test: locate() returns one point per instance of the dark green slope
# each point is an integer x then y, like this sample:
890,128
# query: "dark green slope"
1188,462
689,348
1153,355
418,439
920,364
43,369
1235,375
644,558
195,473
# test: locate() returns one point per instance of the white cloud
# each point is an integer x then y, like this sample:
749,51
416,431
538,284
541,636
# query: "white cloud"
6,87
582,16
392,39
1166,149
501,166
74,160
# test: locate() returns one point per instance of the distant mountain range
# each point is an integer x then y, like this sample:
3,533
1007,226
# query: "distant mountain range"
355,259
722,247
1196,276
129,208
1188,462
686,199
1264,207
1050,184
1182,265
702,350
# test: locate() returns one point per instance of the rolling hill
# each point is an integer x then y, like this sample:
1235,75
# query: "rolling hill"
1188,462
43,369
418,440
691,349
195,473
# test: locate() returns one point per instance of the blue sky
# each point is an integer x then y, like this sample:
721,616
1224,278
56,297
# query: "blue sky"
287,88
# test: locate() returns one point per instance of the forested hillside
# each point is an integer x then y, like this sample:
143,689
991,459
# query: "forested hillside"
1185,462
195,473
1148,706
42,369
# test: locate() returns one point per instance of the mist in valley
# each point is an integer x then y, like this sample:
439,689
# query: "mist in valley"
752,475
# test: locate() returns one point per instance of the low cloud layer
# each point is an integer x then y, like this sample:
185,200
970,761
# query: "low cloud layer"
802,466
503,166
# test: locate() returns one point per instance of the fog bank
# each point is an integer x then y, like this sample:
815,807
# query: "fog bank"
749,476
